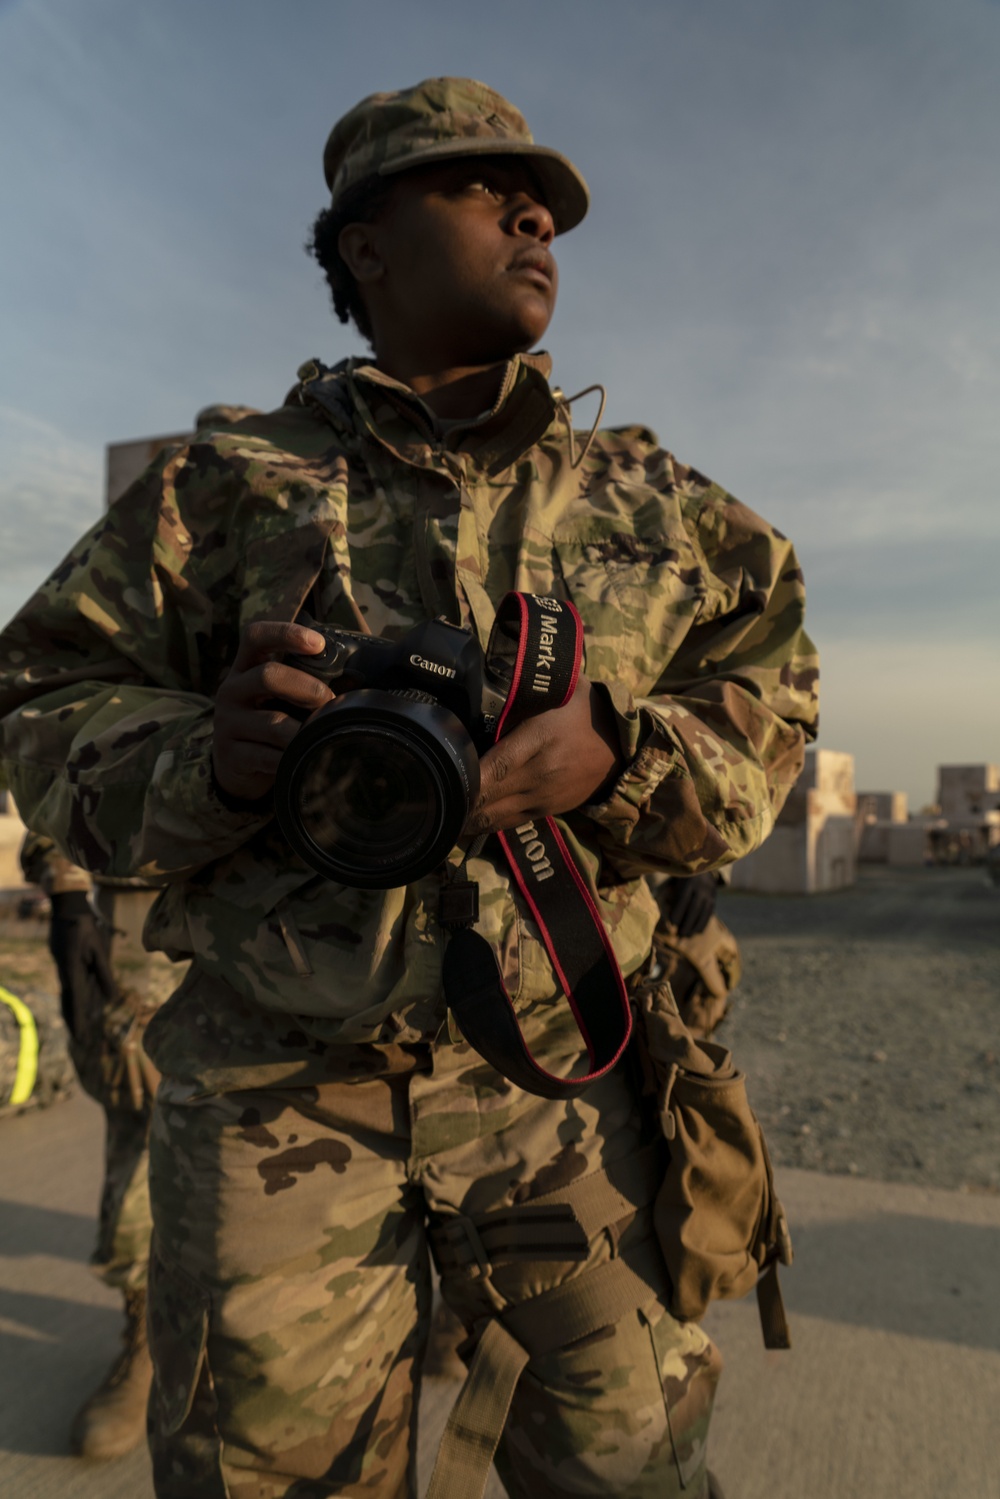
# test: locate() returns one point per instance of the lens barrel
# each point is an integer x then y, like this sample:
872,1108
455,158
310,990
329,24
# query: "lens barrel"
373,792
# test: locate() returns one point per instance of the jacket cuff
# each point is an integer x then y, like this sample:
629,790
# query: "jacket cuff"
618,810
186,809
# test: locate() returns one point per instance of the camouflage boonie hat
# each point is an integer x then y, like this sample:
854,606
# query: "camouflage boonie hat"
438,120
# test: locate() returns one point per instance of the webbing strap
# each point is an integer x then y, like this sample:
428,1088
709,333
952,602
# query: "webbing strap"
477,1418
605,1196
595,1299
536,649
771,1309
558,1225
27,1056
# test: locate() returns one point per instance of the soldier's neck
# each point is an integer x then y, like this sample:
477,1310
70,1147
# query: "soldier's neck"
456,393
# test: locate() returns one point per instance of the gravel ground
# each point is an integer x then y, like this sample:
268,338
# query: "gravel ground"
868,1023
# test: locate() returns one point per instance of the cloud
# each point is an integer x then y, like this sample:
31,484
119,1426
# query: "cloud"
908,706
50,492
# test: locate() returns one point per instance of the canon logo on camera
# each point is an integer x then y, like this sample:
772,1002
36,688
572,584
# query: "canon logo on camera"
434,666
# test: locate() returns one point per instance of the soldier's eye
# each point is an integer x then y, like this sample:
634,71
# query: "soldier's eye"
484,185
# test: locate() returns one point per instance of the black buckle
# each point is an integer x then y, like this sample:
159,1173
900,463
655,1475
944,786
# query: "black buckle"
455,1234
458,906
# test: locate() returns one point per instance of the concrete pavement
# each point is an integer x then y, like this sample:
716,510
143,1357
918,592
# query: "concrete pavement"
891,1390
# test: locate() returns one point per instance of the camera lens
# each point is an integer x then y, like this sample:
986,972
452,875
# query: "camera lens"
374,790
367,794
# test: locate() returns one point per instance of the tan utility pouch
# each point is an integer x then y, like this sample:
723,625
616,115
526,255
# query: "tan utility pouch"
720,1225
702,970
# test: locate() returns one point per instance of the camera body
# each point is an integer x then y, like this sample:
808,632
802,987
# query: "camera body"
434,658
375,788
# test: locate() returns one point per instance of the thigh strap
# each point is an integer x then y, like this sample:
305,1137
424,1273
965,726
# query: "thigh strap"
559,1225
556,1226
596,1299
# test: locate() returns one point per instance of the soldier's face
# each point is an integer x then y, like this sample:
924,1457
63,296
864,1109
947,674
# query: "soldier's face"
467,273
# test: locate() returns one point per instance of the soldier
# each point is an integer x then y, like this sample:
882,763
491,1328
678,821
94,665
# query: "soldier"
321,1117
110,987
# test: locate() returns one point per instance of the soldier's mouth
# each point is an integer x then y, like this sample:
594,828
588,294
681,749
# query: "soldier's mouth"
537,266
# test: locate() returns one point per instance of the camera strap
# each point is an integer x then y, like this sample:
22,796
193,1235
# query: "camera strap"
536,646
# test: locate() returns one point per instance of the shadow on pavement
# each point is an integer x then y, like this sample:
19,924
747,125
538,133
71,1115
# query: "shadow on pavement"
26,1229
923,1277
55,1352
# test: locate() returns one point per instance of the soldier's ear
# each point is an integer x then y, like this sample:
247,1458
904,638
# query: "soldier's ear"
361,253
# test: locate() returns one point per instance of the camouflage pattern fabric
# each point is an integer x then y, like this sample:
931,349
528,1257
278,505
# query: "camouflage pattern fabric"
439,120
109,1057
692,608
290,1298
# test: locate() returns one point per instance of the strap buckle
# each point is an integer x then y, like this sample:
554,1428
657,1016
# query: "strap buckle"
458,1238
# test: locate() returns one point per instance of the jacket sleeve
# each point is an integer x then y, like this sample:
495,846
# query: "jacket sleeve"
107,679
714,750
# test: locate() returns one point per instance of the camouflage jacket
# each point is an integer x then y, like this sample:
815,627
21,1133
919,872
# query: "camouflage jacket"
351,498
44,865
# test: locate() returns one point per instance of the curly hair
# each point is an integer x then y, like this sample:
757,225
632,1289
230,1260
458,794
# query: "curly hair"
362,205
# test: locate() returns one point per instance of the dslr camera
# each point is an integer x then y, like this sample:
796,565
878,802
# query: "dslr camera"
374,790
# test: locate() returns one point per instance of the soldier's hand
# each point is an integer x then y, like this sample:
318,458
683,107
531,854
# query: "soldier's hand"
253,725
551,763
692,903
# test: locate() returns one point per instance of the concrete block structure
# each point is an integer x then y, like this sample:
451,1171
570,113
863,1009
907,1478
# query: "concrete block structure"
883,806
125,461
969,797
880,813
966,792
909,843
812,847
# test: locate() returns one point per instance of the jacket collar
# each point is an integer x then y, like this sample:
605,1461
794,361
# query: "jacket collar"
358,396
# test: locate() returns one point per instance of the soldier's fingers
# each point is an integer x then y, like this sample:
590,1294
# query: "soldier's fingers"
270,680
510,763
245,762
508,803
259,726
499,788
268,638
292,686
507,812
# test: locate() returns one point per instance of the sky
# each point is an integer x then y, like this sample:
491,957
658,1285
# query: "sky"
789,272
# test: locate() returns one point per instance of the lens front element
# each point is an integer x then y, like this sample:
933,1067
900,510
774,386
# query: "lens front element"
365,794
374,791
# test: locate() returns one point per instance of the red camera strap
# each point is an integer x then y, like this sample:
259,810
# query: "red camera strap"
537,644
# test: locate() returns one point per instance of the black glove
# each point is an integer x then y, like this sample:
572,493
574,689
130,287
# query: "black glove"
690,903
81,947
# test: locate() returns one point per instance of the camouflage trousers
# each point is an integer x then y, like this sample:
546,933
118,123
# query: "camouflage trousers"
290,1290
107,1054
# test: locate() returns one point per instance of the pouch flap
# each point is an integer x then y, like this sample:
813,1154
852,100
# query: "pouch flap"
178,1331
669,1042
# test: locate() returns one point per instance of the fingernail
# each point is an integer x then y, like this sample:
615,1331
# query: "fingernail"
315,640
